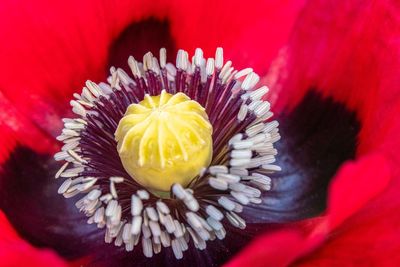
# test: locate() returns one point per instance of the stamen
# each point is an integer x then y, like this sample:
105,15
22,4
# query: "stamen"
219,58
243,72
61,170
213,199
163,57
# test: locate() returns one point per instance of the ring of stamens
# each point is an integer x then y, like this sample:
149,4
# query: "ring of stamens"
243,145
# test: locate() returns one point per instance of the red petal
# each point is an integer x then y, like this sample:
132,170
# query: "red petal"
356,184
16,128
274,250
369,239
251,34
350,52
15,252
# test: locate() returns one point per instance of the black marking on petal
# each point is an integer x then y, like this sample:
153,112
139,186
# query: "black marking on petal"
317,137
139,38
28,196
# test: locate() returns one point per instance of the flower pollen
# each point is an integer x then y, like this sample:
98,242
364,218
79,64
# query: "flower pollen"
200,131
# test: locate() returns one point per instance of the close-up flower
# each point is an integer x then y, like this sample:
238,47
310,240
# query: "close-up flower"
199,133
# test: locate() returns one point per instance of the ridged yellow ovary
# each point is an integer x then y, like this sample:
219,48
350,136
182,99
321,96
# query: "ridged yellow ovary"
163,140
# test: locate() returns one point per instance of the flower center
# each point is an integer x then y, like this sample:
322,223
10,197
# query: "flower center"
156,128
163,140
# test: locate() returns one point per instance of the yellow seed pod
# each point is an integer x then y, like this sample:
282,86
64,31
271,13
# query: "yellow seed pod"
164,139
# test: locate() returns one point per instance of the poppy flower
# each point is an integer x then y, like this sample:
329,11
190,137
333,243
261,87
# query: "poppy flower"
333,88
